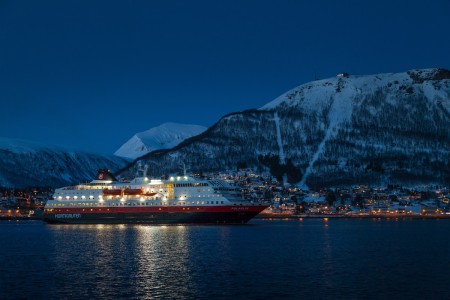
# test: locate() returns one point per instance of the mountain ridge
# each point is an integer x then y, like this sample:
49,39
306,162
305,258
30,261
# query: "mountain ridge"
32,164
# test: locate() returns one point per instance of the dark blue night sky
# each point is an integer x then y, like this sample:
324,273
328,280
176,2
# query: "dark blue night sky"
90,74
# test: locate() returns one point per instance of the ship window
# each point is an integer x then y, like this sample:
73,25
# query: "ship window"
221,202
207,202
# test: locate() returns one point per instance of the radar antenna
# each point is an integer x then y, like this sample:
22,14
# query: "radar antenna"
184,169
145,170
141,168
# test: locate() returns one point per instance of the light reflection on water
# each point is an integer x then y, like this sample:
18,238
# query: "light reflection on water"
155,245
270,259
126,261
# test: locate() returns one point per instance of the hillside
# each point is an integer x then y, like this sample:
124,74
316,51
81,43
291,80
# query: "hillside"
342,130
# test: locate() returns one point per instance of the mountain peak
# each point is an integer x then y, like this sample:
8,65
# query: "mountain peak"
164,136
349,86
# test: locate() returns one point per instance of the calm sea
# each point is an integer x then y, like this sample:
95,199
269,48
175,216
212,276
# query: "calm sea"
309,259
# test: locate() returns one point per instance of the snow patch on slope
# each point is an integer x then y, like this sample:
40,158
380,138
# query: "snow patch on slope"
340,111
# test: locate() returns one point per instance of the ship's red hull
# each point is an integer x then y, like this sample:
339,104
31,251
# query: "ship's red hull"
154,215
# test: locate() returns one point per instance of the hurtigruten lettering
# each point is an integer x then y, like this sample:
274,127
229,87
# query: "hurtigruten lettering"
67,216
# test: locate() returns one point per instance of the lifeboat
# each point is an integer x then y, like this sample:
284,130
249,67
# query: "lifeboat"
112,192
149,194
133,191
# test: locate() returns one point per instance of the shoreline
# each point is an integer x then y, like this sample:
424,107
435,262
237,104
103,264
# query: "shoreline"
19,218
286,217
380,216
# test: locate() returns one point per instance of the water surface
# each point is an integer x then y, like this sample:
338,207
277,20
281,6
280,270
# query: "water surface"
309,259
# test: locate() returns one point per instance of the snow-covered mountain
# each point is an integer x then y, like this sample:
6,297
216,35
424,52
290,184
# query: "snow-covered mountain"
27,164
342,130
165,136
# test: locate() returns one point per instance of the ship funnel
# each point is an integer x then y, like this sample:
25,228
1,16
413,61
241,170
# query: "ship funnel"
105,174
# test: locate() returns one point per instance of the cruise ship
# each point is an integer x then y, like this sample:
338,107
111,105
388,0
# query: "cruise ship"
173,200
